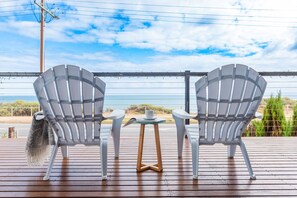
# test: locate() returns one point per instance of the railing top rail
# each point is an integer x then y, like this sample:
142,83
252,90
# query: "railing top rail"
145,74
19,74
139,74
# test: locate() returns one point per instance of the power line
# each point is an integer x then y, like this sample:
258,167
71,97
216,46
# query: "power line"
167,12
235,23
164,5
177,13
191,22
186,17
9,1
160,12
12,15
236,19
10,6
14,11
180,6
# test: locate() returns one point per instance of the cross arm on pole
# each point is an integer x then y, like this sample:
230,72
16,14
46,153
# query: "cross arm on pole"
43,10
46,10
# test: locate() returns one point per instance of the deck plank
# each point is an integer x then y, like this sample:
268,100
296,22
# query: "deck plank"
274,160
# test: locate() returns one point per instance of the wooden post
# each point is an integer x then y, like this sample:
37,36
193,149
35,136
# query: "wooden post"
42,38
42,24
11,132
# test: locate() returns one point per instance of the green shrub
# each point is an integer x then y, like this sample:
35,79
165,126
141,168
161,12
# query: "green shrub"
4,135
287,128
274,118
4,112
294,121
247,132
142,107
259,128
18,108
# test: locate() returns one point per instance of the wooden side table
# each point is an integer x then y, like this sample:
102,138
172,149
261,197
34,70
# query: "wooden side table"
140,166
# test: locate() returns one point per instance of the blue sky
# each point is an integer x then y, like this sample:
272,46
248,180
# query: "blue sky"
140,35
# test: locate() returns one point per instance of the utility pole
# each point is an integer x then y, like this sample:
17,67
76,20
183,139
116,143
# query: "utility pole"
42,22
42,38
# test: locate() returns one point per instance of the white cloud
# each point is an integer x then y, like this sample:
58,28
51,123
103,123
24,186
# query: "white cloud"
98,56
22,63
166,63
261,24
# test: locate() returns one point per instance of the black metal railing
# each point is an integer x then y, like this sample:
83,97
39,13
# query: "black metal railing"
187,84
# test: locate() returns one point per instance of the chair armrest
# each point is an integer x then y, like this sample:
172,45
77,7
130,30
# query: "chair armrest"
116,114
179,117
39,115
117,117
258,115
182,114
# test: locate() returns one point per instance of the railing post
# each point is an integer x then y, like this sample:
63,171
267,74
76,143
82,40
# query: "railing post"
187,93
12,132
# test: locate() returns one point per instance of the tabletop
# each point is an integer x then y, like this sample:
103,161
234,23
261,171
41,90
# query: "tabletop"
150,121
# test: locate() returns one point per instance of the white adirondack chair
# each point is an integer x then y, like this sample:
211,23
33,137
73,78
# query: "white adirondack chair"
227,100
72,101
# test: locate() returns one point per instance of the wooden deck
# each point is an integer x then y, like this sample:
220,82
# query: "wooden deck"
274,161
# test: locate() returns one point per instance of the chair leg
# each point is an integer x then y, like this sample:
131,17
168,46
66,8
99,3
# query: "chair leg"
180,129
195,157
51,162
65,152
103,154
180,142
247,160
116,143
116,133
231,151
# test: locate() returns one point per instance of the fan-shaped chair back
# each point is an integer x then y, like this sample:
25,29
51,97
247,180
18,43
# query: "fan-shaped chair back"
227,99
72,100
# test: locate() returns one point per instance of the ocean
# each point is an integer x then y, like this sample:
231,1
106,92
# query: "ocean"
124,101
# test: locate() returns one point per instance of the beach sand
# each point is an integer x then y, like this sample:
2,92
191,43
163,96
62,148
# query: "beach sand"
16,119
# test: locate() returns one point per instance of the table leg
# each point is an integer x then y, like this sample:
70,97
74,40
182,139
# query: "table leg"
158,148
140,148
142,167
